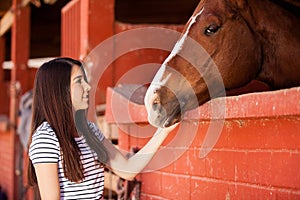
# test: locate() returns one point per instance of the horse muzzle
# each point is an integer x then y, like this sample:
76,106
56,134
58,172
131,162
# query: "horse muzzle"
160,113
160,116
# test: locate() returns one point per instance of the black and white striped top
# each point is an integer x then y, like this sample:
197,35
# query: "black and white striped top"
45,149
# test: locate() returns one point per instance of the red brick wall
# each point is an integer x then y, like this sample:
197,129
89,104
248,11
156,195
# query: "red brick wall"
7,163
254,157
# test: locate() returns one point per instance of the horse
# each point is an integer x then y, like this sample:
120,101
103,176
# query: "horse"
246,40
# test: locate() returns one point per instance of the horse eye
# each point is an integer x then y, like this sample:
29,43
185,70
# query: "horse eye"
211,29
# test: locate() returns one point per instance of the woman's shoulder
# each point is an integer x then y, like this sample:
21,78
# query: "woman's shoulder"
44,130
44,147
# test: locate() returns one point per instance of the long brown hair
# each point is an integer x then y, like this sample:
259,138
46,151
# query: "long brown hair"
52,103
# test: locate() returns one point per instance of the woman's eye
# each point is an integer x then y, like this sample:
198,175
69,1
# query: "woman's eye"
211,29
78,81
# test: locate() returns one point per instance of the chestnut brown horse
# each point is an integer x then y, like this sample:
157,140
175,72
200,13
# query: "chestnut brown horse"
242,41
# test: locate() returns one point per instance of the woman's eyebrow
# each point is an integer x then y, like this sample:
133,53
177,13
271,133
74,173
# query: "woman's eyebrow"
77,77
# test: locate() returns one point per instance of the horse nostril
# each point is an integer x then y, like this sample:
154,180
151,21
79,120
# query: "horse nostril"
156,101
156,104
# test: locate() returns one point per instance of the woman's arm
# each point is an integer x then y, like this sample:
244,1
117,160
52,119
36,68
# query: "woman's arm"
111,156
47,177
129,168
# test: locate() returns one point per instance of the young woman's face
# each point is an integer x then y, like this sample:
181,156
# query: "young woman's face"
79,89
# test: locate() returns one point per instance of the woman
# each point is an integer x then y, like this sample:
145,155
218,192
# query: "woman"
62,163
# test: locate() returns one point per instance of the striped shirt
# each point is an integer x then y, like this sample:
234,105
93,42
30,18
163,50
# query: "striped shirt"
45,148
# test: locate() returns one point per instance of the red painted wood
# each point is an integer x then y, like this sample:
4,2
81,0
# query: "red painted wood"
256,156
7,163
117,103
2,58
70,30
20,44
254,105
175,186
4,109
19,75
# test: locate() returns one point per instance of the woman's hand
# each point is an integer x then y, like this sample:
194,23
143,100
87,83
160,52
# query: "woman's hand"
128,168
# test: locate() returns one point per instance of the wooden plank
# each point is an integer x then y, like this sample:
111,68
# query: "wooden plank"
6,22
8,18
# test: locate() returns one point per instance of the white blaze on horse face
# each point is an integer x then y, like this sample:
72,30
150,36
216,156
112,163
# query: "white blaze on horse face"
158,80
179,44
155,84
177,48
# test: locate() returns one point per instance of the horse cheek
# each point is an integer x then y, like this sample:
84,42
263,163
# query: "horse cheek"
240,62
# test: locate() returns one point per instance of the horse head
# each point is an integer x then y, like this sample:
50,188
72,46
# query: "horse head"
224,46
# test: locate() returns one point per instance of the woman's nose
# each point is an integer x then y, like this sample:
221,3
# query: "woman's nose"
87,86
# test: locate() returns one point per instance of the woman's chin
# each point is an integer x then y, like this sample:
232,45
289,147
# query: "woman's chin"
81,108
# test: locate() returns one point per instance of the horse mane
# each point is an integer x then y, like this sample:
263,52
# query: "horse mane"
292,6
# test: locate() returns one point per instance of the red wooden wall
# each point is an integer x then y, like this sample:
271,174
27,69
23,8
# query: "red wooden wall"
257,155
14,82
86,24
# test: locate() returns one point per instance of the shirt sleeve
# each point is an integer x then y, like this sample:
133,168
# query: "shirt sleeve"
44,147
97,132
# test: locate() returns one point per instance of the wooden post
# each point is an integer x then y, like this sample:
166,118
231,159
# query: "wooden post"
96,25
96,22
2,58
19,81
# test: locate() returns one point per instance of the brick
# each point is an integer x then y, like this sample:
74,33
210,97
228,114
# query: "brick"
121,110
143,133
175,186
123,141
151,183
184,135
162,160
151,197
274,133
208,189
173,160
183,163
173,135
250,192
285,169
197,165
213,133
287,194
225,164
280,169
202,127
137,135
